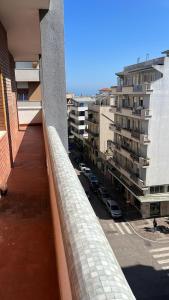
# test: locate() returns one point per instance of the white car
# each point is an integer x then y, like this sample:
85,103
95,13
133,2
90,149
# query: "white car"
82,166
87,172
114,209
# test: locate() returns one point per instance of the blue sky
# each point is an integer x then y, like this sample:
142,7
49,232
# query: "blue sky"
102,36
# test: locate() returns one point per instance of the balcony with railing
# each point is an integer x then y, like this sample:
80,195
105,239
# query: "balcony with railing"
113,108
93,133
92,120
142,112
142,88
112,127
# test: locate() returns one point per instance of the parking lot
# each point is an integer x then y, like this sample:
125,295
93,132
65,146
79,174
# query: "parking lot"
143,255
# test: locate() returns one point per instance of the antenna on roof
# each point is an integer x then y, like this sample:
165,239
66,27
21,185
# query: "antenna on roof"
147,56
138,60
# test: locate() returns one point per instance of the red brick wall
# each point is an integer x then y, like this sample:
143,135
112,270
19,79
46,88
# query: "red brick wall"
8,146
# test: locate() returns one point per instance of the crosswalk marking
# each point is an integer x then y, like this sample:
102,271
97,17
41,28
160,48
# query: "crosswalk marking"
158,254
165,261
161,255
126,227
159,249
119,228
111,226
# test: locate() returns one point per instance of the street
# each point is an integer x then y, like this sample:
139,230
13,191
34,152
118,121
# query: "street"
143,258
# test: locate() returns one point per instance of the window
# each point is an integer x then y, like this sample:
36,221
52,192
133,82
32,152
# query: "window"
22,94
156,189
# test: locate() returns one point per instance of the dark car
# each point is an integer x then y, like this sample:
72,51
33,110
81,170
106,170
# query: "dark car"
94,186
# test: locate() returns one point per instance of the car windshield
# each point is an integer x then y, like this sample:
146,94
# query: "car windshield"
114,207
82,165
88,171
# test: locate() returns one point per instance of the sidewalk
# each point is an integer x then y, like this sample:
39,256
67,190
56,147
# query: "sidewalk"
144,227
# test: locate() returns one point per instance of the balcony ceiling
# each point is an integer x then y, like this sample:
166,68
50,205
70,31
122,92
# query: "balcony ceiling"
21,21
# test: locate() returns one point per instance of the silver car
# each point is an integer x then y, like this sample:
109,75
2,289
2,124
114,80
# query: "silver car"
114,209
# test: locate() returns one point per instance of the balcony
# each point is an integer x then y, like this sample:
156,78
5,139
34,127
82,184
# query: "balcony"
112,127
138,181
26,75
144,162
93,121
142,113
143,138
94,134
113,109
77,116
142,88
28,250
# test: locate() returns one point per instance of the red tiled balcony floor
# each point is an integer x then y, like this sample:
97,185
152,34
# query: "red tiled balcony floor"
27,259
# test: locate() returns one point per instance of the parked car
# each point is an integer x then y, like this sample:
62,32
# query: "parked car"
82,166
103,195
92,178
77,160
113,209
94,186
87,172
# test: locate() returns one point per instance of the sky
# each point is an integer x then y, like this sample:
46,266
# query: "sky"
103,36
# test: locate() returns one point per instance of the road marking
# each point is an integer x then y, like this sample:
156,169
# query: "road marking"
126,228
111,226
160,255
119,228
159,249
166,261
165,268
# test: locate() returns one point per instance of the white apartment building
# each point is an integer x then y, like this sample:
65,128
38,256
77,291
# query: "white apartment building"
141,135
78,115
100,132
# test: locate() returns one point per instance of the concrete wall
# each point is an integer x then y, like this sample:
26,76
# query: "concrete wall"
94,272
34,91
29,113
27,75
158,149
106,118
53,70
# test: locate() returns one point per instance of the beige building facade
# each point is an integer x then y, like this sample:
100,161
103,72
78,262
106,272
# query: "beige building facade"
100,134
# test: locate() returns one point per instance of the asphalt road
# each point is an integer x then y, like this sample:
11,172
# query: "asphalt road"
144,263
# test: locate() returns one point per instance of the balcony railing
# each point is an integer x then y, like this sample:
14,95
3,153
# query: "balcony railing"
94,134
92,120
142,87
93,270
142,112
119,88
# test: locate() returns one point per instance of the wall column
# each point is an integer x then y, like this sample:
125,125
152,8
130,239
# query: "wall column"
53,69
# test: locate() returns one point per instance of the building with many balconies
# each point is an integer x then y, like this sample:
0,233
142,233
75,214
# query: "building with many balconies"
141,136
78,115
